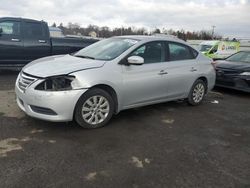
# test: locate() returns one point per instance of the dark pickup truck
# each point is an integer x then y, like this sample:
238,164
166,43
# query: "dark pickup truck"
24,40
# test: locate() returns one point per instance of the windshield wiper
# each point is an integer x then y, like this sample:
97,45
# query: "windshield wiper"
84,56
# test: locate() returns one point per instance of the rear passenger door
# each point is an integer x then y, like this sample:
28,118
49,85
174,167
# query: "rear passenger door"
11,42
182,69
36,40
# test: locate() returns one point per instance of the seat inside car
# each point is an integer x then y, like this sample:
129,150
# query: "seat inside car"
152,53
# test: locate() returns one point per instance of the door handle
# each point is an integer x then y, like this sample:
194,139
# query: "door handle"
193,69
162,72
42,41
15,40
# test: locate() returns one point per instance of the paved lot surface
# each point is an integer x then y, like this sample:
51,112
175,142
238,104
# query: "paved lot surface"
166,145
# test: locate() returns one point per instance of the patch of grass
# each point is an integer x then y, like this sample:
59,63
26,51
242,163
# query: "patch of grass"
1,113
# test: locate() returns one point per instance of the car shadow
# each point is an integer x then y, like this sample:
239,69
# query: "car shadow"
232,92
125,117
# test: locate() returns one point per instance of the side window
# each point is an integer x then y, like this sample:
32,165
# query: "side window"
10,27
214,49
140,51
180,52
194,52
34,30
152,52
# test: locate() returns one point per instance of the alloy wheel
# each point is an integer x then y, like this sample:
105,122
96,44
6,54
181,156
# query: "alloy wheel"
198,92
95,109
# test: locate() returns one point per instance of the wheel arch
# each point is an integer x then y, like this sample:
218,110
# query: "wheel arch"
111,91
205,80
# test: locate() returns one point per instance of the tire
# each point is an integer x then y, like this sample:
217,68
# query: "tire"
197,93
94,109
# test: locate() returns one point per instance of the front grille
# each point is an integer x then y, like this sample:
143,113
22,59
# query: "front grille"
25,80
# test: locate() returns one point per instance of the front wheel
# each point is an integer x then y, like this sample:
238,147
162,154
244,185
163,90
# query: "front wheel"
197,93
94,109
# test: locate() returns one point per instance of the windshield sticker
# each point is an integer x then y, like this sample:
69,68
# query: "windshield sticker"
131,41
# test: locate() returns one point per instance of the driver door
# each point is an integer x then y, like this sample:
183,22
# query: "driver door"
145,83
11,43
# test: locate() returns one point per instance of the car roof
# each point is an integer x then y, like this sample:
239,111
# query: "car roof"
152,38
19,19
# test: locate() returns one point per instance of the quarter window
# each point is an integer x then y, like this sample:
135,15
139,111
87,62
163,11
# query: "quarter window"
180,52
151,52
10,27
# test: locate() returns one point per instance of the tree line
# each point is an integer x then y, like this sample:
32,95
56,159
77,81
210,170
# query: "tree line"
105,32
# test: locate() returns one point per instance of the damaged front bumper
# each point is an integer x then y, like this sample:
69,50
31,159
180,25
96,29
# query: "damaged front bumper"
56,106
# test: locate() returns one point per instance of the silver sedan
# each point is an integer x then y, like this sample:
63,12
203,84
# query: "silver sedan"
114,74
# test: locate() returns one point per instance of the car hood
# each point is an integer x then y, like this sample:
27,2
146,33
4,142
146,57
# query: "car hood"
59,65
233,65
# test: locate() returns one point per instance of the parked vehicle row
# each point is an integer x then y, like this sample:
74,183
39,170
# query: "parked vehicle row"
232,65
219,49
113,75
24,40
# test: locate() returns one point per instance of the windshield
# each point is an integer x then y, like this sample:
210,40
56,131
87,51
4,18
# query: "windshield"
204,47
106,49
240,57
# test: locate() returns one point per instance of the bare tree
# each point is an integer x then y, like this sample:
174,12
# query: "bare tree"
105,32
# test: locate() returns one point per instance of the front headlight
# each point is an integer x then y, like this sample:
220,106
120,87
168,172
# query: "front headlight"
245,74
56,83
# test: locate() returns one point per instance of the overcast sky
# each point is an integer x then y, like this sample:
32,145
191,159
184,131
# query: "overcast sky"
231,17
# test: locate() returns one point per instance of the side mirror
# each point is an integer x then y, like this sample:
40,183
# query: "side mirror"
1,30
135,60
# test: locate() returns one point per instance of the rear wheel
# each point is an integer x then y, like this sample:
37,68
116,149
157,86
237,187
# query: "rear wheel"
197,93
94,109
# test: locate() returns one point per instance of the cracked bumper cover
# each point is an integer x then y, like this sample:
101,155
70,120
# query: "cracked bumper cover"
62,103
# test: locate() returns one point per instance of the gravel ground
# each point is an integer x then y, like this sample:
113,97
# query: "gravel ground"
164,145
